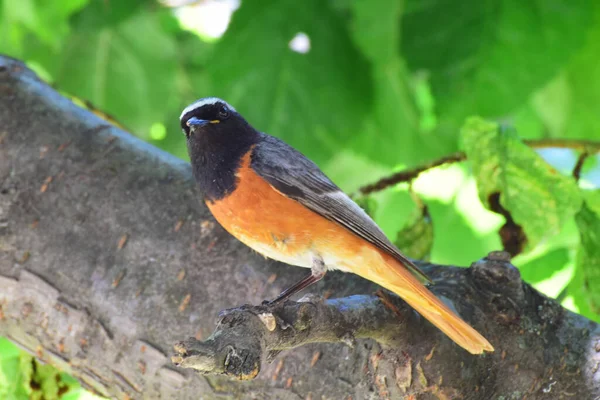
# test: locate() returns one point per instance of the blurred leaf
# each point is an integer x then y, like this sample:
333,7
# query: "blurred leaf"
315,101
22,377
538,198
487,57
456,242
392,131
377,33
416,238
101,14
590,173
15,17
528,123
464,230
48,383
52,22
552,105
592,200
394,208
15,372
367,203
544,266
588,257
46,20
566,105
129,78
580,295
350,171
583,76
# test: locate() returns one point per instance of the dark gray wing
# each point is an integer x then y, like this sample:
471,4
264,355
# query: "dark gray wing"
294,175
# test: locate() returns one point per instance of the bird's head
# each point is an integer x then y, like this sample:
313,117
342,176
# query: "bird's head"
209,115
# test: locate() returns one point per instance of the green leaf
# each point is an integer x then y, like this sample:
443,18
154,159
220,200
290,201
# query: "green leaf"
583,76
487,57
315,101
392,131
15,372
52,22
592,200
350,171
394,208
15,18
131,79
544,266
528,123
48,21
588,257
416,238
456,241
538,198
368,204
101,14
23,378
580,295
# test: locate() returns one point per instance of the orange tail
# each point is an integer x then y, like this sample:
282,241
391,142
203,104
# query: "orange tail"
399,280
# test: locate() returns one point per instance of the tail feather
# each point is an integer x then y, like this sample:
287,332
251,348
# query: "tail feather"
399,280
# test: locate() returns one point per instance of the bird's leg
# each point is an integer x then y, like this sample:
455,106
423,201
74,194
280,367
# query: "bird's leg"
317,273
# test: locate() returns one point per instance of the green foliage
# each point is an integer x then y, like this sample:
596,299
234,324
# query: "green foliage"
416,238
393,109
582,76
542,201
537,196
22,377
288,93
588,258
491,54
15,372
46,20
96,63
386,85
544,266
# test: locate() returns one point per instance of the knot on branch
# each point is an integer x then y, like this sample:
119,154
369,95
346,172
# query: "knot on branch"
496,274
244,334
234,349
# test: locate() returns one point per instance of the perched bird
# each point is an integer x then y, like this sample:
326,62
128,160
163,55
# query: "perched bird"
278,202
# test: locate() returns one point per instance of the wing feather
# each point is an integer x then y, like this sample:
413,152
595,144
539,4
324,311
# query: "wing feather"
294,175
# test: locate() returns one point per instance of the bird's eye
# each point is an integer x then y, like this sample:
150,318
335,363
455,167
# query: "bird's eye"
223,113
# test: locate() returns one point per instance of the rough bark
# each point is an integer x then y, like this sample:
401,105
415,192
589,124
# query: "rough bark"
108,259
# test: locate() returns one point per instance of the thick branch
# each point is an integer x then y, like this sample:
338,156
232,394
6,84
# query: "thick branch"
245,336
107,259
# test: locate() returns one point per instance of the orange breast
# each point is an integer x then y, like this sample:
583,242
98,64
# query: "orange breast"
281,228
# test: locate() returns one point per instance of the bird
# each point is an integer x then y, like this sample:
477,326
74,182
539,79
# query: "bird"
278,202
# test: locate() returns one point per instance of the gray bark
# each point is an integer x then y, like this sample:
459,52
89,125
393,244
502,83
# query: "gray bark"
108,259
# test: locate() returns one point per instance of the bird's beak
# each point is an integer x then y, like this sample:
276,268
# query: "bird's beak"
196,122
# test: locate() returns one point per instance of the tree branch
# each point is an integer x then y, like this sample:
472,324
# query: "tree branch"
579,145
246,336
410,174
586,147
107,259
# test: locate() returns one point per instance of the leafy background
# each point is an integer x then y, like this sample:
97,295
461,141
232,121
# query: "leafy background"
385,85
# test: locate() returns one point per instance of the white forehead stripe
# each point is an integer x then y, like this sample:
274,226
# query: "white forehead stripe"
203,102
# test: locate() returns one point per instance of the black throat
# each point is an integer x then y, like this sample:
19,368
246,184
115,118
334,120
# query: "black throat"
216,154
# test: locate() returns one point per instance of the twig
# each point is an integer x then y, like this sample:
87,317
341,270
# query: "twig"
411,174
586,147
579,165
581,145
